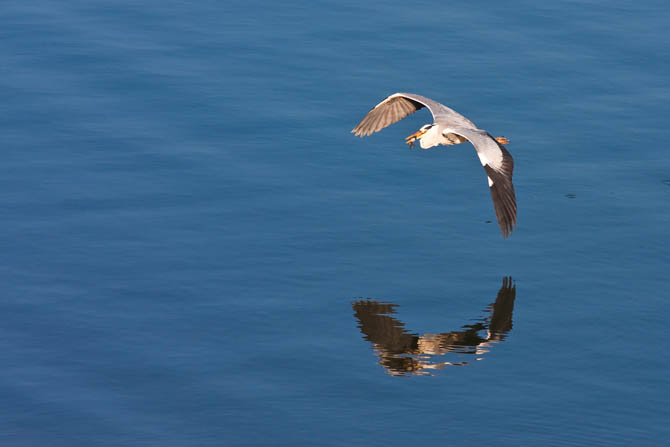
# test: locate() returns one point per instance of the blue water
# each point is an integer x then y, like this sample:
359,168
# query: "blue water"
196,251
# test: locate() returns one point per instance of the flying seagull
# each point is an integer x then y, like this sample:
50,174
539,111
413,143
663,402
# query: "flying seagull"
450,127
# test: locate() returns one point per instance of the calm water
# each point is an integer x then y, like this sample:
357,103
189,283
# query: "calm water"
196,251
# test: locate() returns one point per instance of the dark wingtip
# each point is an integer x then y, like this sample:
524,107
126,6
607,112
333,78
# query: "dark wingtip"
502,193
504,203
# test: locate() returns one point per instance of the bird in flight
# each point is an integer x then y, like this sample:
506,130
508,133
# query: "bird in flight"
450,127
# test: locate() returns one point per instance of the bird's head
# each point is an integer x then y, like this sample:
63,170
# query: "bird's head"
418,134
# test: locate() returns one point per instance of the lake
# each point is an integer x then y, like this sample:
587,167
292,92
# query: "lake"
197,251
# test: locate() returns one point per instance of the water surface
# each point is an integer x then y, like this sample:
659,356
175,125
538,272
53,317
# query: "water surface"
196,251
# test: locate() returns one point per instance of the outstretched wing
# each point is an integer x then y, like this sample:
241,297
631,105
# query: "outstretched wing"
499,166
398,106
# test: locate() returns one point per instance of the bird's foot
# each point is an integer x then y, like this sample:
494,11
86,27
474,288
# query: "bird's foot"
502,140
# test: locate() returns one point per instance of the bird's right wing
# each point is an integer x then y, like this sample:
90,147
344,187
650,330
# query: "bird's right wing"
398,106
499,167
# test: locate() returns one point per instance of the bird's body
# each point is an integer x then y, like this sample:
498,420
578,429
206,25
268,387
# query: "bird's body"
450,127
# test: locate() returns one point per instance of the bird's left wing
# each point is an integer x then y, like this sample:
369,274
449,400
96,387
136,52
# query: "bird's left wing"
499,166
391,110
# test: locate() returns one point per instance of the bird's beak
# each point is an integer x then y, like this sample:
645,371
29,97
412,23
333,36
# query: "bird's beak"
415,136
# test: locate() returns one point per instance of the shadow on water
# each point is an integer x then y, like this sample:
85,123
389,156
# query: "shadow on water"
401,352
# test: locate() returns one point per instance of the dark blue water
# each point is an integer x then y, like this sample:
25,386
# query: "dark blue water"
196,251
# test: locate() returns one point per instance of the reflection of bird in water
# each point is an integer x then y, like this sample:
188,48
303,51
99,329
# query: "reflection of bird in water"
450,127
401,352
